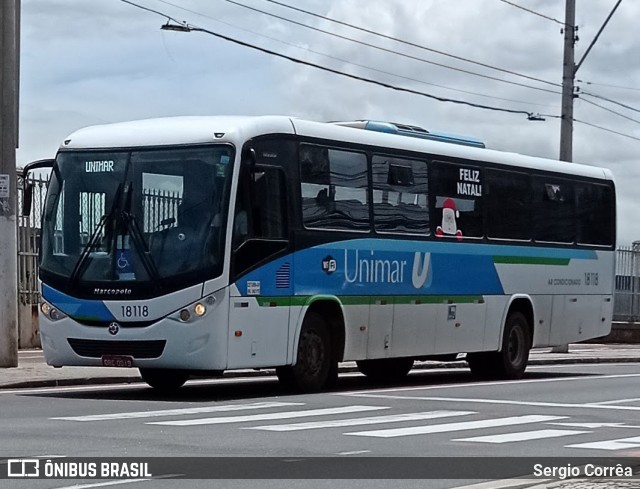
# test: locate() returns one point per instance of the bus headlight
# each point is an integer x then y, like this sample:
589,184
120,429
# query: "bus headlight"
51,312
199,309
185,315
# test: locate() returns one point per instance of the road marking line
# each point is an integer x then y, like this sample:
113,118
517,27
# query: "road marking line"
179,412
522,436
355,452
619,444
448,427
483,384
617,401
503,484
500,401
270,416
595,425
395,418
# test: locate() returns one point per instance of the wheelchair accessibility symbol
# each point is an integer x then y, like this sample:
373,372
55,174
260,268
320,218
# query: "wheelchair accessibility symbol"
123,262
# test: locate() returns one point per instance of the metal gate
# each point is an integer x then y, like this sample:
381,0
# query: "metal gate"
28,247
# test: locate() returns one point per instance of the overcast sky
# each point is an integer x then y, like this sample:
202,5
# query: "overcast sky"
92,62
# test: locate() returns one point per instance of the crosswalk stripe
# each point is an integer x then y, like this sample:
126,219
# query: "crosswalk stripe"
619,444
396,418
180,412
523,436
270,416
448,427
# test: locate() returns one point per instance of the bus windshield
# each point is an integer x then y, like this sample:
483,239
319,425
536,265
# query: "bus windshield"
115,218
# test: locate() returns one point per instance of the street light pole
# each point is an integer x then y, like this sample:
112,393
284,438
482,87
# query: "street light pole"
9,61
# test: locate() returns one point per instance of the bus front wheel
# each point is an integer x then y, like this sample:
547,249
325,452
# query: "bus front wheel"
164,379
315,365
511,361
385,369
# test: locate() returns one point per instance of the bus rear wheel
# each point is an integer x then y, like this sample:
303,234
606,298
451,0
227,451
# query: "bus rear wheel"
511,361
315,365
385,369
164,379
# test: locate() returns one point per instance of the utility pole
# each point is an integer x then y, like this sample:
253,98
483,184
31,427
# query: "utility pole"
568,76
9,62
570,68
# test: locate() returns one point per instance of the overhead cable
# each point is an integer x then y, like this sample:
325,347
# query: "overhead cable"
342,60
391,51
191,27
606,129
536,13
609,110
412,44
608,85
610,100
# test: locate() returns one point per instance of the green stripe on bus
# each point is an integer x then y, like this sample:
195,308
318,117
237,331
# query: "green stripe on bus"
530,260
361,300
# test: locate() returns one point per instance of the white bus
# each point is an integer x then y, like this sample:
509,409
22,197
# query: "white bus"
192,245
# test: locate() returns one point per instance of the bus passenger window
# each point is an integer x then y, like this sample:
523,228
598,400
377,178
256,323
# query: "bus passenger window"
400,201
334,188
594,207
456,194
553,210
508,205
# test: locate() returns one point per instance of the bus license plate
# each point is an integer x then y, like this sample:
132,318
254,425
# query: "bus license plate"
117,361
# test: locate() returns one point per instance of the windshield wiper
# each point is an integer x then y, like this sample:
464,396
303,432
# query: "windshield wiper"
133,230
82,262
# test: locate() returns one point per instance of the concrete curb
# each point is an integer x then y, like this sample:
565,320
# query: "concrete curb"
70,382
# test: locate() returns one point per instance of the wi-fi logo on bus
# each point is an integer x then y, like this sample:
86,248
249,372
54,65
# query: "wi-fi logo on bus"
329,265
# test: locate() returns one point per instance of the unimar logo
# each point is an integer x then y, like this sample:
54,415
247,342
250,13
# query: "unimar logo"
369,267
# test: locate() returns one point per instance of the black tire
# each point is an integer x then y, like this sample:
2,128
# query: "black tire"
316,365
164,379
385,369
511,361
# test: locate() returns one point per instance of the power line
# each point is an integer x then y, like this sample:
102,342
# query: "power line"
607,85
342,60
409,43
611,101
535,13
391,51
609,110
182,25
606,129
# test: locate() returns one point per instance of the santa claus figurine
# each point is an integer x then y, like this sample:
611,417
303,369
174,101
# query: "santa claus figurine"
449,214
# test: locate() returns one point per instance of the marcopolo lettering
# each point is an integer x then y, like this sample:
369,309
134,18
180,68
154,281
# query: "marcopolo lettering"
98,166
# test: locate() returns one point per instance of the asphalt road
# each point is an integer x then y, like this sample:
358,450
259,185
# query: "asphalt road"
555,411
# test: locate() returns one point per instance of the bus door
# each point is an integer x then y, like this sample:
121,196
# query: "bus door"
260,300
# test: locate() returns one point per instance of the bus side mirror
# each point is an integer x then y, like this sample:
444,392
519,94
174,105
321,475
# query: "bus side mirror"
27,186
27,198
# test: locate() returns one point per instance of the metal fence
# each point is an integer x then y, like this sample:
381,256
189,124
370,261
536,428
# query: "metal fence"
627,286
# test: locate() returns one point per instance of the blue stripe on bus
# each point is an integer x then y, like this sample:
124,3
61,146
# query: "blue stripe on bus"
386,267
83,309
